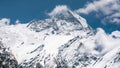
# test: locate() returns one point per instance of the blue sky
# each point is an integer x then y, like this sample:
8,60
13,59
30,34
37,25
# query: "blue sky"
27,10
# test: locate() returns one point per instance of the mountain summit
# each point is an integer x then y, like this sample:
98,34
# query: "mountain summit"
62,21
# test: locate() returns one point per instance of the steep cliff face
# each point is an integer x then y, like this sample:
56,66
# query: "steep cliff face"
7,59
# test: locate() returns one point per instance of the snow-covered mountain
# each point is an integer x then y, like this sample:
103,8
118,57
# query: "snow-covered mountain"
63,21
65,40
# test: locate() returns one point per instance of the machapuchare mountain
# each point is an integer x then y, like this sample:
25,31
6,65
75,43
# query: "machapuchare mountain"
65,40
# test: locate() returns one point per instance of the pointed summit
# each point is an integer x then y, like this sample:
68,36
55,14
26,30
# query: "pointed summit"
62,21
64,13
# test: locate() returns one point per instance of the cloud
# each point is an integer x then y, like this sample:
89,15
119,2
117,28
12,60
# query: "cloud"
17,21
108,8
58,9
4,21
107,41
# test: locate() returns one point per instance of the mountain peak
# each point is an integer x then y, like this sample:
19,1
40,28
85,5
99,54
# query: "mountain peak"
62,12
62,20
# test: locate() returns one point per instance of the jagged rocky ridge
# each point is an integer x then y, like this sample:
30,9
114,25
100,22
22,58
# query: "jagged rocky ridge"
65,40
7,59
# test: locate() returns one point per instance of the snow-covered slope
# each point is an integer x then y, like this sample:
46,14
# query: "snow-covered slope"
109,60
65,40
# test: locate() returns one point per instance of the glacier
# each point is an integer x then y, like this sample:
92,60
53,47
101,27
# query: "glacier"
64,40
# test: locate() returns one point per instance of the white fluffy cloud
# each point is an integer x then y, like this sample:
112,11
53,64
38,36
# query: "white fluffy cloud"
109,8
4,21
58,9
107,41
17,21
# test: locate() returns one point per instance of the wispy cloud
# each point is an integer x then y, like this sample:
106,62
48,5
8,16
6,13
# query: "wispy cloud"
58,9
108,8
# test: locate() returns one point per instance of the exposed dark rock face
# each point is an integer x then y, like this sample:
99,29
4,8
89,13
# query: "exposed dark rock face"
7,60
